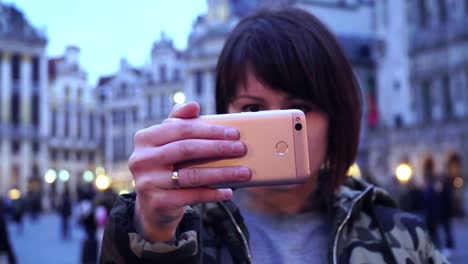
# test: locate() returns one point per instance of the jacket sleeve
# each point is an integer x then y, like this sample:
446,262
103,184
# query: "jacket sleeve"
122,244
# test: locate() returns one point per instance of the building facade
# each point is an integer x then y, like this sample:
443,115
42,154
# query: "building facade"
73,121
135,98
422,90
23,101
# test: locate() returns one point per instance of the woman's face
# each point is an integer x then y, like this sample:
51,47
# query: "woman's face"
257,97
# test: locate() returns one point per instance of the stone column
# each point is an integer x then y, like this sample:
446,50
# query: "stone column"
108,137
5,150
26,90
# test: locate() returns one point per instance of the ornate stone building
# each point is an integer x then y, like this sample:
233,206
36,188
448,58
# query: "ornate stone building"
74,128
23,102
135,98
422,90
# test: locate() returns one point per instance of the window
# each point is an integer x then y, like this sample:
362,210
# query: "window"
78,124
426,101
15,146
447,97
385,12
162,100
162,73
16,67
198,83
91,125
442,11
423,16
149,106
15,108
118,117
176,74
53,154
54,123
135,114
36,147
66,128
35,69
35,109
119,153
91,157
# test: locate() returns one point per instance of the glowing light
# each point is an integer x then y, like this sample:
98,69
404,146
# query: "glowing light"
133,183
404,172
123,192
14,194
64,175
179,98
458,182
88,176
354,171
50,176
100,171
102,182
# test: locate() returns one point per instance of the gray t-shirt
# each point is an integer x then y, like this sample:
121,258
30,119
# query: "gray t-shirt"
301,238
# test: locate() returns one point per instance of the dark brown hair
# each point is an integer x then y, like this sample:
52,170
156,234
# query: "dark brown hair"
291,51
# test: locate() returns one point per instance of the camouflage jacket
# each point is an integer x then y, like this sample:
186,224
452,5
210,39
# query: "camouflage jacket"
366,228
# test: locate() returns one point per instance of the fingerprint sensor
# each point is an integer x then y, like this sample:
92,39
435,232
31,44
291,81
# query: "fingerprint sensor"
281,148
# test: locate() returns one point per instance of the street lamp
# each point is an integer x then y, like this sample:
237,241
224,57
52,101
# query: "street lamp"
14,194
403,172
102,182
354,171
50,176
88,176
100,171
178,97
64,175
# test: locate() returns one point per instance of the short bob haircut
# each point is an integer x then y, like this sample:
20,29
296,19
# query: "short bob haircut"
291,51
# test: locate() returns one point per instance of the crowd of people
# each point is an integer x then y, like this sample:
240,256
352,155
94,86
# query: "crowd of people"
435,203
87,208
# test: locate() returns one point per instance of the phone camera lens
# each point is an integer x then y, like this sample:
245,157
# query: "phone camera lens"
298,126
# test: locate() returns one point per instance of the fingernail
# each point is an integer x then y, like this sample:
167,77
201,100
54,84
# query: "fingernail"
238,147
226,194
231,133
243,173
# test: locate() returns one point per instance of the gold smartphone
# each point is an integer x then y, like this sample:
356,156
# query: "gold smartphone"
276,141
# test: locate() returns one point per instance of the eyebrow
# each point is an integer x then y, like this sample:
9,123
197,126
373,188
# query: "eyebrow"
257,98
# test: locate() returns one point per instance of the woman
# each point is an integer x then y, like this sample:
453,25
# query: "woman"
272,60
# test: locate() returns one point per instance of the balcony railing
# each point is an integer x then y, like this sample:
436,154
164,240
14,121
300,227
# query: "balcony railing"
440,35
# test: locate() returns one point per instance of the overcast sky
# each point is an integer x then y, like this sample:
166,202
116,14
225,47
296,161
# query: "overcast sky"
107,30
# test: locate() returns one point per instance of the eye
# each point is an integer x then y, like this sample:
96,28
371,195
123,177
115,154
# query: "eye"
303,107
251,108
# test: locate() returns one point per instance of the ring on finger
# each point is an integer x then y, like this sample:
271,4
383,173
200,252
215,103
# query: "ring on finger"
175,179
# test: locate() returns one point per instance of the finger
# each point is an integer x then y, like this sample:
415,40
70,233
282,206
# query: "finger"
149,159
173,131
188,110
171,199
197,177
199,149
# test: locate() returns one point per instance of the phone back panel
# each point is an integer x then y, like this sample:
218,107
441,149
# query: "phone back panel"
276,152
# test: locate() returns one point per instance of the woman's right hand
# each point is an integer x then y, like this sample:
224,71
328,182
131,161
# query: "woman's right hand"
160,205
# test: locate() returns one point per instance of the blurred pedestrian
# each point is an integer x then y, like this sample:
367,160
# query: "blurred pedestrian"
446,215
65,210
6,251
438,198
18,207
413,200
89,245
